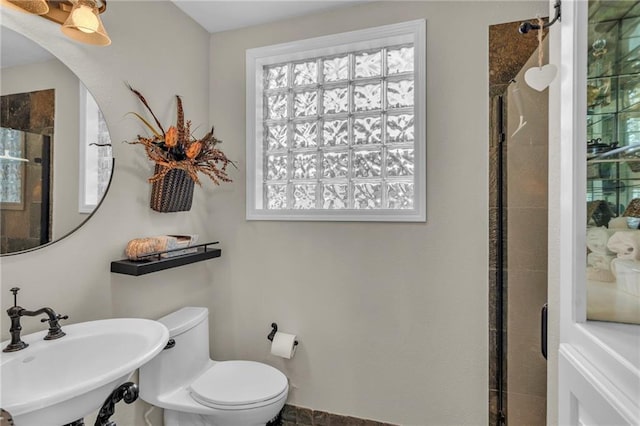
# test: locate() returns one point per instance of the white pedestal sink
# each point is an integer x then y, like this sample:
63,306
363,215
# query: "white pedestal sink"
55,382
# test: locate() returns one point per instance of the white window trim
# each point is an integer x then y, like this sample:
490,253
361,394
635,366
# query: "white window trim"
83,205
256,59
88,117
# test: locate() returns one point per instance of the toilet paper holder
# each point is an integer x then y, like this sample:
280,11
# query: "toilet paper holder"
274,329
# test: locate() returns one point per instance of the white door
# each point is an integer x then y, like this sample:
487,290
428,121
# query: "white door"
594,366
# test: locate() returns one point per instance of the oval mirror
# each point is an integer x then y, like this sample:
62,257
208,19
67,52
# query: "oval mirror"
55,150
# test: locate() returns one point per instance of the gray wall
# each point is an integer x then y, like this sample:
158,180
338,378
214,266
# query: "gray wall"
162,52
392,318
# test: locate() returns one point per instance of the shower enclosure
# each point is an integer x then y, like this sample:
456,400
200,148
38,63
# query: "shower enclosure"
25,209
518,212
518,164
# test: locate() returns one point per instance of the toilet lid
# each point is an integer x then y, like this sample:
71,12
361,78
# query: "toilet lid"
232,383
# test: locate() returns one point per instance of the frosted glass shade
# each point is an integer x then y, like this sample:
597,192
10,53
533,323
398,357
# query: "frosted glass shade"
37,7
84,24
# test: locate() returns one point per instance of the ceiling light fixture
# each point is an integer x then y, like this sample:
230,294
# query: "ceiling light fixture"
84,24
80,19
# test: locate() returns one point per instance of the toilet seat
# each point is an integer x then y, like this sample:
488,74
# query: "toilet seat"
238,385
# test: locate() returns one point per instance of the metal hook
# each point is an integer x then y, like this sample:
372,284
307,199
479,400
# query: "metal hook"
525,27
274,328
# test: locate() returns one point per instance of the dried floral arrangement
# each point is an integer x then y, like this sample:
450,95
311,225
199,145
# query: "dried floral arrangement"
177,148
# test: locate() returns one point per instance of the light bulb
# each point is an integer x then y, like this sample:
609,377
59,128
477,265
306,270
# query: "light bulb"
85,20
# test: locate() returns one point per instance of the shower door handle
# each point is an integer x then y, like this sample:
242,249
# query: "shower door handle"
543,330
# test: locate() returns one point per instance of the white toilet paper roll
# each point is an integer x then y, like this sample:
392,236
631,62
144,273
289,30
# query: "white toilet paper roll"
284,345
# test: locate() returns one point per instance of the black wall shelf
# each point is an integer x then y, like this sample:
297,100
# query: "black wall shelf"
156,262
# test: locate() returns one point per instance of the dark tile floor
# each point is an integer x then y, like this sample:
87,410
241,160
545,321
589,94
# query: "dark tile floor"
300,416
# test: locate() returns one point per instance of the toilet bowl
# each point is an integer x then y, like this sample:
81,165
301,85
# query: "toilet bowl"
196,391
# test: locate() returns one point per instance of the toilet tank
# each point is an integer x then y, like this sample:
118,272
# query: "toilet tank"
177,367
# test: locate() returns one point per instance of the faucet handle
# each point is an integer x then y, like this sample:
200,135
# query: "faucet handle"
15,291
58,316
55,331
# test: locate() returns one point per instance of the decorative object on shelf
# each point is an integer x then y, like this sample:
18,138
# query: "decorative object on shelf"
179,157
626,244
80,19
158,261
633,209
595,149
632,157
599,212
140,248
596,146
599,152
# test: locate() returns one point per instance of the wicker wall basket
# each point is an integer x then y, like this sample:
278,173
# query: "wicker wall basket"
172,193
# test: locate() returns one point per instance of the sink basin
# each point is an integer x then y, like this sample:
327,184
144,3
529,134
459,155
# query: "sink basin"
55,382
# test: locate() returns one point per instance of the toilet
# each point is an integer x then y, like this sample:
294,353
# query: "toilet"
196,391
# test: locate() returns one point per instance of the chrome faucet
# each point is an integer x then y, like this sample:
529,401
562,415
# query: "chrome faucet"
15,312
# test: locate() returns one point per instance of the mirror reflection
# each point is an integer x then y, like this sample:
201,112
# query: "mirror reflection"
613,162
55,149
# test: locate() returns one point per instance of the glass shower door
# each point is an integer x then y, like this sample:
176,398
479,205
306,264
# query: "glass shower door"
24,190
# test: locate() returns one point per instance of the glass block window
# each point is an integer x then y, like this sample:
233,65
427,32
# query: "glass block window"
12,153
95,153
336,127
